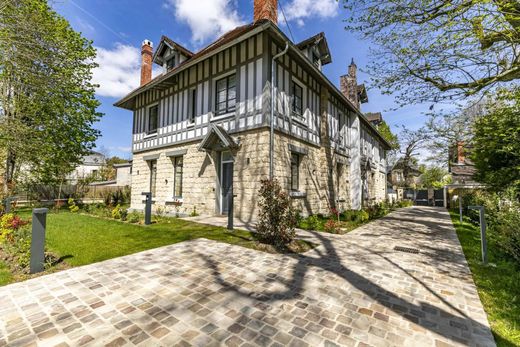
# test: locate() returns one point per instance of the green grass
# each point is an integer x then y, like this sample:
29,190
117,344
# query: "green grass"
82,239
498,287
5,274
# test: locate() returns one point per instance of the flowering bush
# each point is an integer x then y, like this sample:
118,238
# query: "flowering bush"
9,224
334,213
332,226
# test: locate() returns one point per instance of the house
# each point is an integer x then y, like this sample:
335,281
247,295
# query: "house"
375,118
396,175
202,129
460,165
90,166
122,177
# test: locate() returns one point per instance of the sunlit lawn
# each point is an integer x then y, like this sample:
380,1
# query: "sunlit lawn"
83,239
5,274
498,287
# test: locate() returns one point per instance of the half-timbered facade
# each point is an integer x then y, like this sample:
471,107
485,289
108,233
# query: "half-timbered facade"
201,129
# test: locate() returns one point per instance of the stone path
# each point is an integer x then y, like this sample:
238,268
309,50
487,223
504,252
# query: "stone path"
352,290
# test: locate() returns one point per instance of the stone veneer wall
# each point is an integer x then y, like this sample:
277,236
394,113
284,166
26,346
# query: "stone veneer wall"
200,183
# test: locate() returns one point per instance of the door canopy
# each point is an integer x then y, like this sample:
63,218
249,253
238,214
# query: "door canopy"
217,139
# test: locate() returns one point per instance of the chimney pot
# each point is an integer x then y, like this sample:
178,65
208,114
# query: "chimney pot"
266,9
146,61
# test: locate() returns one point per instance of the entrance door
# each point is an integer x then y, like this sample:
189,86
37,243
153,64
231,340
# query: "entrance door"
226,179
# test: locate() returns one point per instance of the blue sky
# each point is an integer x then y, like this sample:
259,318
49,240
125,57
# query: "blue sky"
118,27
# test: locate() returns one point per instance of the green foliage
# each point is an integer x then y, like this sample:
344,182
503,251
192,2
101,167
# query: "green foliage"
72,206
435,177
135,217
430,50
497,285
496,143
387,134
120,196
502,218
277,218
47,98
313,222
15,239
119,213
332,226
362,216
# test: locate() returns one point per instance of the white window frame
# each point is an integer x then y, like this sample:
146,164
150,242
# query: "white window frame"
214,115
148,133
302,118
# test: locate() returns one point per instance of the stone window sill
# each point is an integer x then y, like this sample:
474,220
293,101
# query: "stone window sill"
297,195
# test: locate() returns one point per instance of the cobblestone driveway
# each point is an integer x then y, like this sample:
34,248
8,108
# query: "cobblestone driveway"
353,290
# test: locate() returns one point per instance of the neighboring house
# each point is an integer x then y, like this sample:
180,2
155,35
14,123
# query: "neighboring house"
460,165
90,166
123,177
396,175
201,129
375,118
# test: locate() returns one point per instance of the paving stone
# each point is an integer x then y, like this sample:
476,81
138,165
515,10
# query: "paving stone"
353,289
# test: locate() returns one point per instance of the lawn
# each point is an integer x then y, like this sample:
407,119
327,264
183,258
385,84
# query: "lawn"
5,274
498,287
82,239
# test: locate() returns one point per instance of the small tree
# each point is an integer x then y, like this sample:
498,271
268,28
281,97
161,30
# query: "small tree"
277,216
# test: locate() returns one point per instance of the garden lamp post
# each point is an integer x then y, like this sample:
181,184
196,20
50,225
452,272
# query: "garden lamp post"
483,241
147,208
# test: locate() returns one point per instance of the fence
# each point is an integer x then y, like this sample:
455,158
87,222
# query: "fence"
50,195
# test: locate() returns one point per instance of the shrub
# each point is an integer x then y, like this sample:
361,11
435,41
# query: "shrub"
313,222
332,226
134,217
72,206
119,213
362,216
277,218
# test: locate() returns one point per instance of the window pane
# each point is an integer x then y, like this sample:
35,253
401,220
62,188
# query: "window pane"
153,176
152,118
221,85
232,94
231,81
178,177
294,172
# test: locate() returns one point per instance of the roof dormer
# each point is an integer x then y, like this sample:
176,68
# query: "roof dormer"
170,54
316,49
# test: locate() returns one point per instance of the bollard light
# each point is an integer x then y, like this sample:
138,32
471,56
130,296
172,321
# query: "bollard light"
39,221
147,208
483,240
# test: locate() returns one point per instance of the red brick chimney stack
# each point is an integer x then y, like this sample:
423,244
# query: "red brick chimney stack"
461,156
266,9
146,62
349,86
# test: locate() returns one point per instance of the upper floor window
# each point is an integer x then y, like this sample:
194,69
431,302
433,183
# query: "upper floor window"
316,59
153,119
170,63
297,102
226,95
192,112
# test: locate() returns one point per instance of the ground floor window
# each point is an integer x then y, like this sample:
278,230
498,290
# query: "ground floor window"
153,177
295,172
177,172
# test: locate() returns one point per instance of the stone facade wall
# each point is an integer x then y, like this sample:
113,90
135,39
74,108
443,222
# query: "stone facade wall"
201,183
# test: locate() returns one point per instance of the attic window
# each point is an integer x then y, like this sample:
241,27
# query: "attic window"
316,59
170,63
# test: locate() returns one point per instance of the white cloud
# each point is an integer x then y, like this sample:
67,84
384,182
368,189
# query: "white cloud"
206,18
299,10
119,70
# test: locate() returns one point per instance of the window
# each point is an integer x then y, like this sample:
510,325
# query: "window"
177,172
297,102
153,177
170,63
226,95
193,106
295,172
316,59
153,117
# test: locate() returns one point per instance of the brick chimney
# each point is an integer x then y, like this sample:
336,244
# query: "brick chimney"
349,86
461,156
266,9
146,62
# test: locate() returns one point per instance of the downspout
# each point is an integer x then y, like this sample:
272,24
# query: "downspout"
271,134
